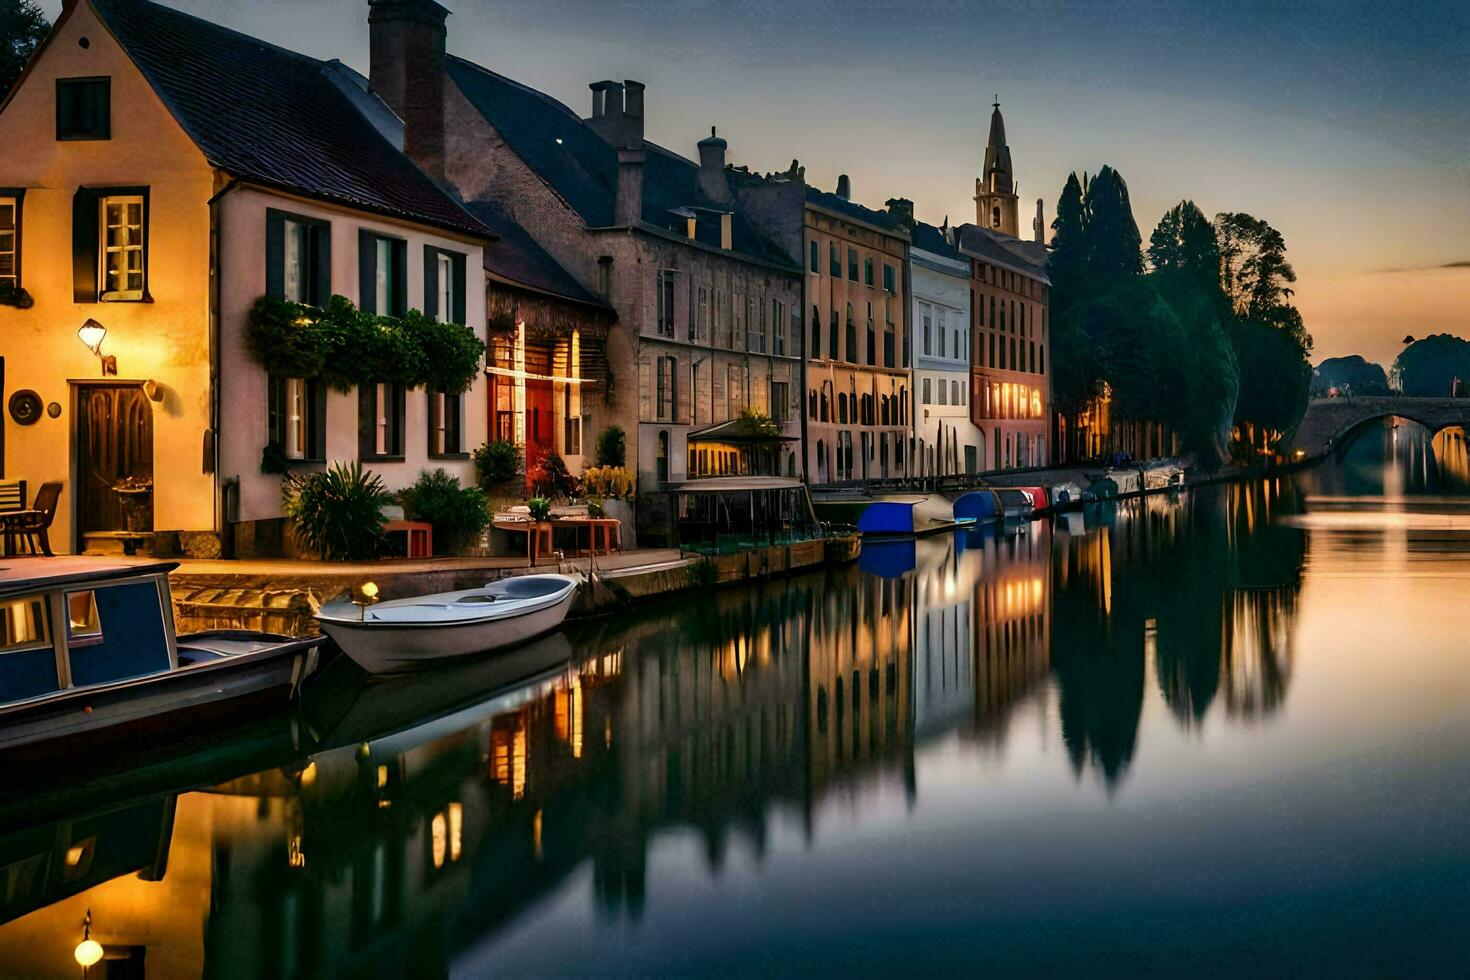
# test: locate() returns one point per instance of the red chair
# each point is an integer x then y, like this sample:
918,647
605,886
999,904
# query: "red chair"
30,527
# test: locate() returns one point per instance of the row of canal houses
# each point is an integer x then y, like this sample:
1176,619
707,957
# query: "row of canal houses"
159,173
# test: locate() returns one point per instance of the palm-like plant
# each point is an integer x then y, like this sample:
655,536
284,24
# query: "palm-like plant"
338,512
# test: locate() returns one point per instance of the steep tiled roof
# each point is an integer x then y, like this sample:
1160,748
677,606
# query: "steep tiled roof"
270,116
1026,256
931,239
582,167
517,257
842,205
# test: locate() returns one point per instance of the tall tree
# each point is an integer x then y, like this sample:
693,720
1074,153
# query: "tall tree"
1253,267
1114,246
1067,264
22,28
1184,244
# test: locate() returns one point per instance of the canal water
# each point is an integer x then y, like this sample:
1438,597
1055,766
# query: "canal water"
1222,733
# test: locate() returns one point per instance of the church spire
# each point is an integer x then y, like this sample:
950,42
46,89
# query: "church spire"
998,154
996,204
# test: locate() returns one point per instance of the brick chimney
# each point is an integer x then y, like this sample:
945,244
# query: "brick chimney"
844,188
901,210
406,54
712,182
617,116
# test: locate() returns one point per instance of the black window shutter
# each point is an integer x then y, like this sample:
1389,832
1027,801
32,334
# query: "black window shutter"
276,419
275,254
457,263
395,420
399,279
367,271
84,246
316,420
453,408
431,283
433,416
321,264
366,420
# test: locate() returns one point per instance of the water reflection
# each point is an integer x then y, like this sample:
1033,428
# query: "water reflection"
696,747
1396,456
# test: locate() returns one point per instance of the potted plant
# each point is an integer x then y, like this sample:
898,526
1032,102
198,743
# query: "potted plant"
540,508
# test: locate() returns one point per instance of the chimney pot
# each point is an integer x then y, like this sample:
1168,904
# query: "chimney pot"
633,92
712,182
844,188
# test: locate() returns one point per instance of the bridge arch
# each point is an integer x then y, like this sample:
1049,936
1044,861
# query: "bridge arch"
1330,420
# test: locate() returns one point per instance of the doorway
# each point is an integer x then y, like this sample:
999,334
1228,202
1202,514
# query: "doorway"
113,454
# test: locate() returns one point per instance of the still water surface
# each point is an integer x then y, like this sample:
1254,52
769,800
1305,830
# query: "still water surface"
1224,734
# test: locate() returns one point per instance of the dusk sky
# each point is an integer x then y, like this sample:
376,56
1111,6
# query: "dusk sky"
1343,124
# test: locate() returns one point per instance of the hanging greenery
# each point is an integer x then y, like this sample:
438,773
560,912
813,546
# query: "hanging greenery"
344,347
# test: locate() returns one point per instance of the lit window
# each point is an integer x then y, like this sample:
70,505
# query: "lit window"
24,624
9,242
122,247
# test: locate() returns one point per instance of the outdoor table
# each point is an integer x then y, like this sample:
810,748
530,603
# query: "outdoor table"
608,527
538,533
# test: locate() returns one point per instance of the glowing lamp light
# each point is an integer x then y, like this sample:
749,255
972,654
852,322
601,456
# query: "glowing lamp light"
89,951
370,590
92,334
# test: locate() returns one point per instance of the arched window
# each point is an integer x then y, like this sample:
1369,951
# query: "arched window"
661,458
995,217
842,406
852,351
824,410
811,403
833,352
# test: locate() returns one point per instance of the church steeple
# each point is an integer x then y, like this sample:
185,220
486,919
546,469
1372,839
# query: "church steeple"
996,205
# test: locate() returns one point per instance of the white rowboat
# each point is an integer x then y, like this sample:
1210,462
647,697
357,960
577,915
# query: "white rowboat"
406,634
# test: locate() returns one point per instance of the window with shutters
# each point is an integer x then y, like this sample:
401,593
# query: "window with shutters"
83,108
382,274
666,389
664,315
928,391
444,285
735,390
380,421
834,260
928,318
446,424
298,257
10,240
852,264
778,328
780,402
700,330
297,418
890,278
121,258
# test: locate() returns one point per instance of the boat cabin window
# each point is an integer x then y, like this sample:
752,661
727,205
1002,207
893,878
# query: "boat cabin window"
27,660
116,632
83,624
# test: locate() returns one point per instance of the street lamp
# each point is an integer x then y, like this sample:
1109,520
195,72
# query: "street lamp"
89,950
92,334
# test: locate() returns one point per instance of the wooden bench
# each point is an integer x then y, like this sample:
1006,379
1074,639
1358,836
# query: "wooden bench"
420,534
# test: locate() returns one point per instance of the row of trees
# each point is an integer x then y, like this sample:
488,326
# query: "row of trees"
1196,332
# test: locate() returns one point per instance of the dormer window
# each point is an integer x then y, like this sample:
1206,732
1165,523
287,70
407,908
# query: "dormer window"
83,108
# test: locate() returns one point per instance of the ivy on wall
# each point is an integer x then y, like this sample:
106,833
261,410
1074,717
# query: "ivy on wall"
343,346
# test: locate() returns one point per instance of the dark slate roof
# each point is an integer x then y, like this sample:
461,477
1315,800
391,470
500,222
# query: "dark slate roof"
271,116
931,239
1027,256
516,256
852,209
582,167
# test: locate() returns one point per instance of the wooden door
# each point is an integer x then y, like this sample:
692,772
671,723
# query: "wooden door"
114,441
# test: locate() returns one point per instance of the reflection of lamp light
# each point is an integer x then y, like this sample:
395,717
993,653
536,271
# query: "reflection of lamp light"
92,334
89,950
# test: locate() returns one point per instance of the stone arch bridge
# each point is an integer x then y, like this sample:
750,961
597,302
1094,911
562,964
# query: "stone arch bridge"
1329,419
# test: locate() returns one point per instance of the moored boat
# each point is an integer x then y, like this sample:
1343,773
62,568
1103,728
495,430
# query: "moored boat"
406,634
88,651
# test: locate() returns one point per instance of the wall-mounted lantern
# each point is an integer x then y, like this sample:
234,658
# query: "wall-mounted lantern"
92,334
